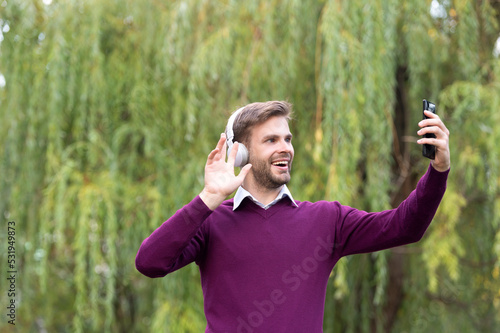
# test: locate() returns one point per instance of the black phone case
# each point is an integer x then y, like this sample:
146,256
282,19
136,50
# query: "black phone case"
429,151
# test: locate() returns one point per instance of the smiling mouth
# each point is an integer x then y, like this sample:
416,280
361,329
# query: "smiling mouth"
283,165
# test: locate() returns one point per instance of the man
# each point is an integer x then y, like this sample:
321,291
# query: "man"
264,257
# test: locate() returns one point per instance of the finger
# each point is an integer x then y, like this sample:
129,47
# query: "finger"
212,155
222,145
430,114
440,141
215,154
232,155
432,141
434,120
218,148
223,149
431,121
441,132
222,141
244,172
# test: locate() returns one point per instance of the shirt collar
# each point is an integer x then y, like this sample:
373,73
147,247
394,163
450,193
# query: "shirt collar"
241,194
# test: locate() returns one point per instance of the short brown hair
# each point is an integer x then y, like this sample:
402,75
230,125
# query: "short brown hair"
257,113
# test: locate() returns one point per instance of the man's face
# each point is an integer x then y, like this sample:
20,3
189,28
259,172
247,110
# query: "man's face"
271,152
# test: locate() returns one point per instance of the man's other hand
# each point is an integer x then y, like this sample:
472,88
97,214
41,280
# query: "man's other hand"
435,125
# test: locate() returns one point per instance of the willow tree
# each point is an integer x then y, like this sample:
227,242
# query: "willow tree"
109,109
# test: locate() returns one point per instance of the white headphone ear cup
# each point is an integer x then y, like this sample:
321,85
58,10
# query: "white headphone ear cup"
241,156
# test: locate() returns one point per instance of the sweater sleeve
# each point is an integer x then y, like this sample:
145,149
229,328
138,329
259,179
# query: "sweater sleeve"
361,232
176,243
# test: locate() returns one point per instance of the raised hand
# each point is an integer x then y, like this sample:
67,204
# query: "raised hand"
435,125
220,180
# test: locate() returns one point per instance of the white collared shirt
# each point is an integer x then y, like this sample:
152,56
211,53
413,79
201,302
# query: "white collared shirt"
241,194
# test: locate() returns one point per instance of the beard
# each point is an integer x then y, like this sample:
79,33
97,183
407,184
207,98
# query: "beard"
264,175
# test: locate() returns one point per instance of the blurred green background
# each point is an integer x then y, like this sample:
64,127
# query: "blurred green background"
108,110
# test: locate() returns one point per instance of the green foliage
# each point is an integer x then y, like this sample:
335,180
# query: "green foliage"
111,107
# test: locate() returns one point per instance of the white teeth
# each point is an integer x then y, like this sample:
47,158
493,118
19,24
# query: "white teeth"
280,163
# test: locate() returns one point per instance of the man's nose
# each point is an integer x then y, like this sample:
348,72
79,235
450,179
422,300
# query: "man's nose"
285,146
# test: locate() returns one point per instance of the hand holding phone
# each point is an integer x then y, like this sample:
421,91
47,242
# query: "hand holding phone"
429,151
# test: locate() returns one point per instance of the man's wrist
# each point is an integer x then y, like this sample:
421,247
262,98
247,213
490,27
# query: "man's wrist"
211,200
440,168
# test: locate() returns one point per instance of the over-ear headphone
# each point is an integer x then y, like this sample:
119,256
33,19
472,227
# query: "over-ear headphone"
242,154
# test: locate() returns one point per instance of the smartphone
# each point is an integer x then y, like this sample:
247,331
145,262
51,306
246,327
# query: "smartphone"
429,151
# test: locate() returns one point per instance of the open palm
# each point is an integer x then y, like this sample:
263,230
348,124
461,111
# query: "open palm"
220,179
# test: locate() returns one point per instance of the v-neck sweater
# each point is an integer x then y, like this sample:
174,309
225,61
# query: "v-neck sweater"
266,270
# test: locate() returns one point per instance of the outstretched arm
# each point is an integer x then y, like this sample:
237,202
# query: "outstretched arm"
361,232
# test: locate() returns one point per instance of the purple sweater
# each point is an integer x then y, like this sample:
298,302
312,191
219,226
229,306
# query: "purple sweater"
267,270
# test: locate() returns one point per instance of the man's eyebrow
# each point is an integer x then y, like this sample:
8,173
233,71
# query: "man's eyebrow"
274,136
